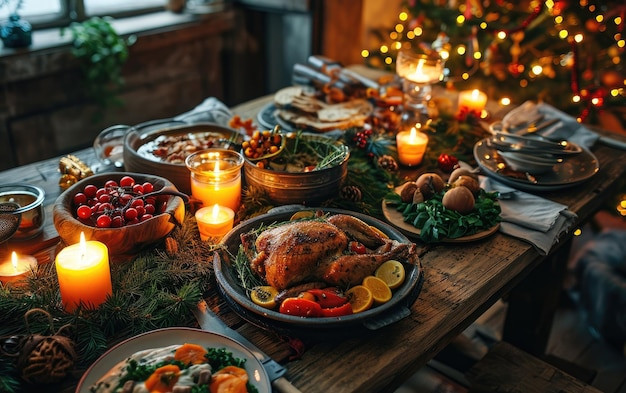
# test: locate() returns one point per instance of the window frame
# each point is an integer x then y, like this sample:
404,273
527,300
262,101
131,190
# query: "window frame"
74,11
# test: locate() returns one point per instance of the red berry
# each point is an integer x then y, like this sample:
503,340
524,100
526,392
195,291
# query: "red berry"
130,213
125,198
145,217
132,222
101,191
90,190
104,198
80,199
103,221
447,162
138,189
110,184
148,187
149,209
140,211
137,202
83,212
127,181
117,222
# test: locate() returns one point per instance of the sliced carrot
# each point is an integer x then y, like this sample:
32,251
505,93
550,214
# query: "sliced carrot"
162,380
191,354
230,379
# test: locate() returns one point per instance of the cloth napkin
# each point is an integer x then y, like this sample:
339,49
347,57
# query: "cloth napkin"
211,110
529,217
566,129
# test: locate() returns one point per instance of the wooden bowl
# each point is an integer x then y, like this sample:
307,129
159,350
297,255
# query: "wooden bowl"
140,137
128,239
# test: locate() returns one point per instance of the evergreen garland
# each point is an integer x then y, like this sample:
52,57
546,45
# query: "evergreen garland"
154,290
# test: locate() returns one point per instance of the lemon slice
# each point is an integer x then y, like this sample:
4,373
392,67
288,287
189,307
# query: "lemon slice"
264,296
301,214
380,291
392,273
360,298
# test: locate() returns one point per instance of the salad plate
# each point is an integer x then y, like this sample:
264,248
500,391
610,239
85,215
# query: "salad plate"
172,336
237,297
572,170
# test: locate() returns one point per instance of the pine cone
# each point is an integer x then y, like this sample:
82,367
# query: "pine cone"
46,359
351,193
388,163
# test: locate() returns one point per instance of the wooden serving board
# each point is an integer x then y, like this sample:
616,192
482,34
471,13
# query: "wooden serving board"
393,216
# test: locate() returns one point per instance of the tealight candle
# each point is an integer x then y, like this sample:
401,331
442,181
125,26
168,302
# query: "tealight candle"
83,273
411,146
214,222
16,268
216,177
472,101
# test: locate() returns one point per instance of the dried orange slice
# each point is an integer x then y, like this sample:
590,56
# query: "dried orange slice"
392,273
360,298
380,291
299,215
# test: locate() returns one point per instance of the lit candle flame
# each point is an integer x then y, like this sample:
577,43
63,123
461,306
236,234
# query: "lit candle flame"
215,212
475,94
14,260
82,246
413,134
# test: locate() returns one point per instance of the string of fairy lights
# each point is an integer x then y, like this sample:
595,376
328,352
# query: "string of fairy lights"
467,54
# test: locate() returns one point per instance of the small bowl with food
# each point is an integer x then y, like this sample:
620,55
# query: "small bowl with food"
161,147
126,211
306,169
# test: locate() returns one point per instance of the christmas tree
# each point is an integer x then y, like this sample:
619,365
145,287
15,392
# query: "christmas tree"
568,54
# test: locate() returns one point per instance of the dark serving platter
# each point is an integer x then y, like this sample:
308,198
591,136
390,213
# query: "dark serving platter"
374,318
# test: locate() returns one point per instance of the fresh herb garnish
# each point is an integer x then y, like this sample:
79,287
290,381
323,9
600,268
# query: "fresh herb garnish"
219,358
435,222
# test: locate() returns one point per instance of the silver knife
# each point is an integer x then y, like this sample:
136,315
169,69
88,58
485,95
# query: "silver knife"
210,322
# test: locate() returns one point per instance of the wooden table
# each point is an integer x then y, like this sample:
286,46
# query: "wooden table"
461,282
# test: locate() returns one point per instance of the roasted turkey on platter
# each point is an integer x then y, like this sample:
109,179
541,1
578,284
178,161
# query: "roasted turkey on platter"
319,250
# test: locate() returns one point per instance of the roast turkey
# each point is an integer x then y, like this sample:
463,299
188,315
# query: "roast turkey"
318,250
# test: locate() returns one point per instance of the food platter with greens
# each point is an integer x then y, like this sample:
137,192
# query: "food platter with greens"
434,211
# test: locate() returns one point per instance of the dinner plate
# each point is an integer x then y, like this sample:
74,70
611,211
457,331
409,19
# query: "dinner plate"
170,336
395,218
267,116
236,296
573,170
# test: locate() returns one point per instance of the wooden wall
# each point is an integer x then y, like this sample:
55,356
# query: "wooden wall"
44,111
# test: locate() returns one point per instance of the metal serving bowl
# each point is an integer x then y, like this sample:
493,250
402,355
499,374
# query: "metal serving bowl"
30,200
308,188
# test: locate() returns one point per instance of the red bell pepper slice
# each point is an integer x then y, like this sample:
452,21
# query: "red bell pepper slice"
357,248
300,307
328,297
340,311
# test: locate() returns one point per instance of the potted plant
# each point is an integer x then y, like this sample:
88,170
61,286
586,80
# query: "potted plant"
102,53
15,32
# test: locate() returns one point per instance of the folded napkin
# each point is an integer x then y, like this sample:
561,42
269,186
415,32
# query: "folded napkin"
566,129
529,217
211,110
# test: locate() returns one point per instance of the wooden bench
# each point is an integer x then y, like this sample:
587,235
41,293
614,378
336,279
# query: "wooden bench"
508,369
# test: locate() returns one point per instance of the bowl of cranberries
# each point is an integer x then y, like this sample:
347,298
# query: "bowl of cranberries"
126,211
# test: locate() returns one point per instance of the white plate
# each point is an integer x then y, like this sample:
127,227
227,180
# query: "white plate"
170,336
573,170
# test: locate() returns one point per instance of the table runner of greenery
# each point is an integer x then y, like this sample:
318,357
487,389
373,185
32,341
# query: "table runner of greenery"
159,289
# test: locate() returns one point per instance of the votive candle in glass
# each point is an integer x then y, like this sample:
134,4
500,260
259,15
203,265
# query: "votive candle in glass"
472,101
214,221
411,146
216,177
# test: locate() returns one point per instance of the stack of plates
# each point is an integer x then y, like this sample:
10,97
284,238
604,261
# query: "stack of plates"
534,163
